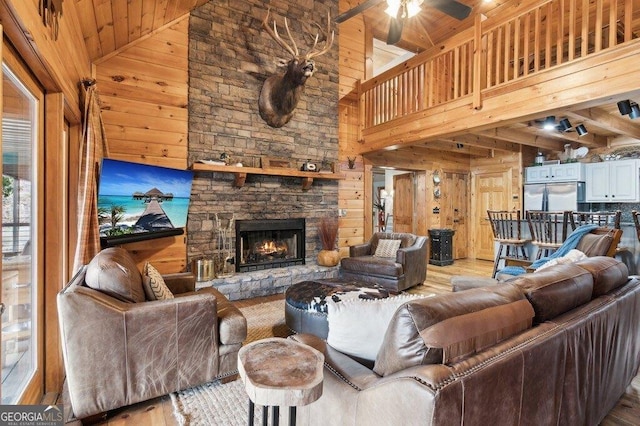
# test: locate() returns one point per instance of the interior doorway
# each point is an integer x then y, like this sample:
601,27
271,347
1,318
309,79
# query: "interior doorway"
385,210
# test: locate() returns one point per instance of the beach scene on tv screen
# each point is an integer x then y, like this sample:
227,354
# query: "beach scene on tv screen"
135,198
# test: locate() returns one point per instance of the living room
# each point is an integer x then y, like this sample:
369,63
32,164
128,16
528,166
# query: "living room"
149,82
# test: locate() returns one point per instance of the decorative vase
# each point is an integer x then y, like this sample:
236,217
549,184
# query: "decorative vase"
328,257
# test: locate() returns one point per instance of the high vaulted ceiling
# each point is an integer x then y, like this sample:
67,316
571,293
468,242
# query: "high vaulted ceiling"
108,26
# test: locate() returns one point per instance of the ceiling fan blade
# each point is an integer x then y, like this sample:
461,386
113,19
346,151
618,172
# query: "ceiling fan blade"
451,7
395,30
355,10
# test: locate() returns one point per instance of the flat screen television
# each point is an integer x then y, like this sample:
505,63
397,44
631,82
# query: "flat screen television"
139,201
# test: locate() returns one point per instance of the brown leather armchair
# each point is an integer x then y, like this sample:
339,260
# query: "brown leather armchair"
120,349
406,269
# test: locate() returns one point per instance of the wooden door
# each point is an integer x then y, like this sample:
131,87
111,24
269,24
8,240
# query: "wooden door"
403,201
454,207
490,193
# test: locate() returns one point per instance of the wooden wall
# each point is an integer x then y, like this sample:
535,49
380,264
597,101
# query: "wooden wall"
143,93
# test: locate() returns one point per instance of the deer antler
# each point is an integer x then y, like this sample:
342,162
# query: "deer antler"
274,34
328,42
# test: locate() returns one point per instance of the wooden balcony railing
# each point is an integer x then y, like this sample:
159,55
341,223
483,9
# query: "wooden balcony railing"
547,35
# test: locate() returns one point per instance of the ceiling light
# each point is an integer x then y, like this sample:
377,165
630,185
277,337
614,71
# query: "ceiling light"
564,125
549,123
624,107
413,7
406,8
635,111
582,130
392,8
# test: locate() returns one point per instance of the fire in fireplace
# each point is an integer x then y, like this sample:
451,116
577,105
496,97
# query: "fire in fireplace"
266,244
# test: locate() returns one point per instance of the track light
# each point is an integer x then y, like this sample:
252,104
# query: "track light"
564,125
549,122
582,130
635,111
624,107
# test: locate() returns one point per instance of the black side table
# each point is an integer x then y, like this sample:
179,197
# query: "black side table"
441,246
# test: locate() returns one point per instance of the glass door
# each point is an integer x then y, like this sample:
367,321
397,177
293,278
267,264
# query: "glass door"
20,352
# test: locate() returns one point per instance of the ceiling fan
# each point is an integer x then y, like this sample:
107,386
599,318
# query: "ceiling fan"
400,10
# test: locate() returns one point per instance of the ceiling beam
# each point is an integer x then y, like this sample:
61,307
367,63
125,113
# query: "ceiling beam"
480,141
606,120
458,147
524,138
591,139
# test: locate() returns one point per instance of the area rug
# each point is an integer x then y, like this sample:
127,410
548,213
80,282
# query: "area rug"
214,403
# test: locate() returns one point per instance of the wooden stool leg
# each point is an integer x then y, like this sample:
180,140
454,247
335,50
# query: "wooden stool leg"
275,415
251,412
265,415
292,416
497,260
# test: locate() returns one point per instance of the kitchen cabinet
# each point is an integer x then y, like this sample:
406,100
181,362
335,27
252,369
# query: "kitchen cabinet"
568,172
612,181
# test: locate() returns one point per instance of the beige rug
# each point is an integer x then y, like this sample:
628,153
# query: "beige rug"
214,404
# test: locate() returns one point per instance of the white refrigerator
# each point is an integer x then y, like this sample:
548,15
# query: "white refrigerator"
557,196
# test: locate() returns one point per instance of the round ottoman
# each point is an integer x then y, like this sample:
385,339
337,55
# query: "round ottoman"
305,309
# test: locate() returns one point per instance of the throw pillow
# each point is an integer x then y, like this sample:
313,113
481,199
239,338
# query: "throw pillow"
357,327
154,285
387,248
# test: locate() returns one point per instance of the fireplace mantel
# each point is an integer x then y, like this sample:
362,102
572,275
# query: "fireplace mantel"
242,172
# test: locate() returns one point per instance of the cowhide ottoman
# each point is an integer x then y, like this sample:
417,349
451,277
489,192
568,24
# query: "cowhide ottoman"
305,309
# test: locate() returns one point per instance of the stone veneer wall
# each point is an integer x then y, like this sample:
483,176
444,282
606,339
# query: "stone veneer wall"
229,58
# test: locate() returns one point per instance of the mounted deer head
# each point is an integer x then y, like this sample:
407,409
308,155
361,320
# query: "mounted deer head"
281,92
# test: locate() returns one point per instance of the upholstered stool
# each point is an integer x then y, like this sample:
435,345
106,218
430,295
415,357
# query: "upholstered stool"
305,309
465,282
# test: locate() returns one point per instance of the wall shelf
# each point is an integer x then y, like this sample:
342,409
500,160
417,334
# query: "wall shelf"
242,172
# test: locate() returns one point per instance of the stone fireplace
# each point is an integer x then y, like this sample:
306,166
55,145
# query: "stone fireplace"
229,58
267,244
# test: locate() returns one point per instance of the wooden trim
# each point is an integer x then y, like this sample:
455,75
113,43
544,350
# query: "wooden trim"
56,222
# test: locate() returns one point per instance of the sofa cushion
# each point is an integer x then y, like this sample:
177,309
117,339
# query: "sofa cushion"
154,285
468,334
387,248
556,290
608,273
352,335
114,272
595,245
372,265
403,346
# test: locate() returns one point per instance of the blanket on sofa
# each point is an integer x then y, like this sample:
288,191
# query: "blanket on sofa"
569,244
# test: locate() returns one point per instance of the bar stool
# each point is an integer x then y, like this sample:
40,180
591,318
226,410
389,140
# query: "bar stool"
507,231
636,222
604,219
548,230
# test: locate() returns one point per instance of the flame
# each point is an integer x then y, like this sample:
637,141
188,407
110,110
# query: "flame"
272,247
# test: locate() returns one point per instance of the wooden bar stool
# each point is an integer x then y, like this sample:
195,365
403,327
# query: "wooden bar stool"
548,230
604,219
507,231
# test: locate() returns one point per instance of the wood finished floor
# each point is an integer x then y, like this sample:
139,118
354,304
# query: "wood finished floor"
159,411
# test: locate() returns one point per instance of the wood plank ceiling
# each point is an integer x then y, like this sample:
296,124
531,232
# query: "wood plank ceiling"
110,25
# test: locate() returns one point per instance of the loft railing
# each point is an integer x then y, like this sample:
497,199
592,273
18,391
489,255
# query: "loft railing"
539,38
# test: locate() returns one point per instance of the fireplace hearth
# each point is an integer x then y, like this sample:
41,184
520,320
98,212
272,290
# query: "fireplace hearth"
267,244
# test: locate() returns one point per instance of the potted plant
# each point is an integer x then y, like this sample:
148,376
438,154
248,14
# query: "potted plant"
328,231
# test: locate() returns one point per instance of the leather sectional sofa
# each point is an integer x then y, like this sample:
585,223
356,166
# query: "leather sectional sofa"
558,346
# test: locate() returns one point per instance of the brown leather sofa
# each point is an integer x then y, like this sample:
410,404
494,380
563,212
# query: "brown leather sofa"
406,269
120,349
554,347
